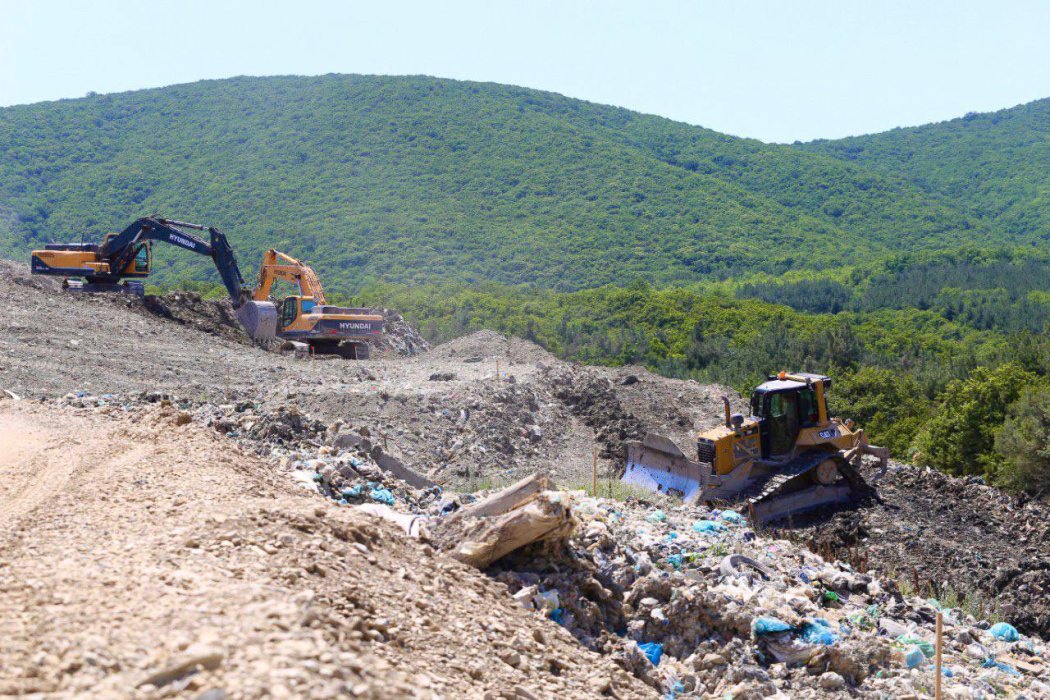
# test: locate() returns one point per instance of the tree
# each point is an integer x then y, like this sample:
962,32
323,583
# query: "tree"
960,438
1023,444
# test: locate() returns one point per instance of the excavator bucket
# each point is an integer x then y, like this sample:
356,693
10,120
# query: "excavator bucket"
656,464
259,319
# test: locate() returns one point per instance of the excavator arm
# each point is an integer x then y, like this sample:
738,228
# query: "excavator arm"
278,266
120,249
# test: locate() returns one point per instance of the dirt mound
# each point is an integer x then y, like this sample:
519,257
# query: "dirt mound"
179,562
401,337
488,344
211,316
591,398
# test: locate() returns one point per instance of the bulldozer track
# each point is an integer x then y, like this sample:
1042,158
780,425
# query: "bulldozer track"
800,466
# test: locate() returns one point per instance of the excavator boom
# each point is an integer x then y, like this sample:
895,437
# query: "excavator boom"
127,254
279,266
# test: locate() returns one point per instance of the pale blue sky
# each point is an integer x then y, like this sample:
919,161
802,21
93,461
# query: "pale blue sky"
777,71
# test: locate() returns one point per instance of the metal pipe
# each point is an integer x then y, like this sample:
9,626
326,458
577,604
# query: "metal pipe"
729,422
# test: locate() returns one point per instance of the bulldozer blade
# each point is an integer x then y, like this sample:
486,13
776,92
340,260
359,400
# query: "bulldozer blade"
259,319
656,464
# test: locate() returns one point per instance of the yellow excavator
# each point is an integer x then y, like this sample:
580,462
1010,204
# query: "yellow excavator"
306,321
789,456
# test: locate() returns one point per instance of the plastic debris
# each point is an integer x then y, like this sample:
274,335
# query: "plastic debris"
1005,631
731,516
769,625
907,640
1005,668
547,599
657,516
653,651
708,526
818,631
381,495
913,656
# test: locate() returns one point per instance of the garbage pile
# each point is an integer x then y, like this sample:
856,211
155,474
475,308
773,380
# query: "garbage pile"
690,599
592,399
337,460
693,601
401,337
946,532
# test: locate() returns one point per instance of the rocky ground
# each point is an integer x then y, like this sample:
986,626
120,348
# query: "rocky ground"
198,505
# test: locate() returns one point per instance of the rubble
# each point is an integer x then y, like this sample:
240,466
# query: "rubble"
382,443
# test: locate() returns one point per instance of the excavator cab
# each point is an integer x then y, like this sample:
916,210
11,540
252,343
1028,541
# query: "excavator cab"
294,309
141,263
289,311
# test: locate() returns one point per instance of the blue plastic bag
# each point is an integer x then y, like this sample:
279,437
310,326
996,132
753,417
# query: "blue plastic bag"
1005,668
731,516
707,526
818,631
353,491
769,625
382,495
653,651
657,516
675,560
1005,631
913,656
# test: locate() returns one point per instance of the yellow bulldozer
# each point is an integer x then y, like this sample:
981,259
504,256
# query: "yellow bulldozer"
787,457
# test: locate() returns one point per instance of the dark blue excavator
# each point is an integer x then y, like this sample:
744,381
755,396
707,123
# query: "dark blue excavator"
120,262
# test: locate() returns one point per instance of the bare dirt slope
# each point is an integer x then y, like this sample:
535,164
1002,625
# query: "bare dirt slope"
131,545
443,411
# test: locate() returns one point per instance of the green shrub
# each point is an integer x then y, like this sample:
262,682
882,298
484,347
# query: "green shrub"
1023,444
960,438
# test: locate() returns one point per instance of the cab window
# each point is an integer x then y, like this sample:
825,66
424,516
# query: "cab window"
308,305
290,311
756,404
807,407
142,258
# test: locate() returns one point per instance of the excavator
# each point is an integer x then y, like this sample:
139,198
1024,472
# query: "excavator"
307,319
128,254
786,458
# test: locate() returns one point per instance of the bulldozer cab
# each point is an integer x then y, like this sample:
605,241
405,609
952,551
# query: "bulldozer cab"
784,406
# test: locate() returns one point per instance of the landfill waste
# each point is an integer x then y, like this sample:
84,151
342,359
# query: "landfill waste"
731,610
913,656
1004,631
653,651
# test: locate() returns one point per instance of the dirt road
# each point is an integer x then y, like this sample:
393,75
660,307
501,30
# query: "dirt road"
133,547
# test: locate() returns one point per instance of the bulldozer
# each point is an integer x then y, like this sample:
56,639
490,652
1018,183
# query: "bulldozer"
306,321
787,457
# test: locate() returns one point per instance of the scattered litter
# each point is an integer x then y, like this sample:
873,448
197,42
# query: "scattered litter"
1005,631
708,526
653,651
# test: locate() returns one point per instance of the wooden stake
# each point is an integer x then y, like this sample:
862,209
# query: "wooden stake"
594,472
937,669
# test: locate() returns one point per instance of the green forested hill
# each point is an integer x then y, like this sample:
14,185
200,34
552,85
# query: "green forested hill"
996,164
414,179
